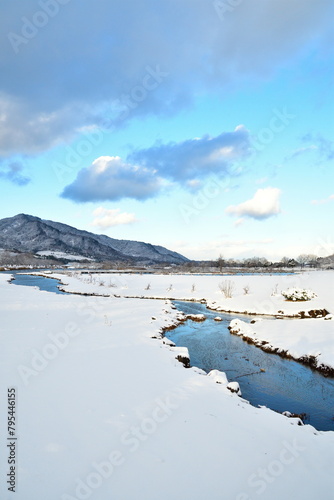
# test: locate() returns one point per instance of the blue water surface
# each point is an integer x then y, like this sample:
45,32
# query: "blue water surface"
284,385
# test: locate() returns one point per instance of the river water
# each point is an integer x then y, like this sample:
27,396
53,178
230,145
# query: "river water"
265,379
46,284
285,385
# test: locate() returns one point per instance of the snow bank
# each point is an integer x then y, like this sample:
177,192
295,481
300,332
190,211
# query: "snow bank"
219,377
310,341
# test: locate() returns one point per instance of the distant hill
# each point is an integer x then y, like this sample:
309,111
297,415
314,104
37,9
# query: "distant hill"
29,234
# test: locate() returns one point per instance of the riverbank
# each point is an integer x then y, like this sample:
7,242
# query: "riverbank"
309,342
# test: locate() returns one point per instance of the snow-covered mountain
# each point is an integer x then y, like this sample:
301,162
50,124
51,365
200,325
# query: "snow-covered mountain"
26,233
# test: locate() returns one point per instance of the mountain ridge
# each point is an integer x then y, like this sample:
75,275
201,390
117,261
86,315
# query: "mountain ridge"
28,233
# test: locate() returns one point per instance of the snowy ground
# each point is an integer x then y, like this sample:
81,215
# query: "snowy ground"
263,296
104,411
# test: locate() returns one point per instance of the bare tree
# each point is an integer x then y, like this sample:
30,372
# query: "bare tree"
313,260
302,259
220,262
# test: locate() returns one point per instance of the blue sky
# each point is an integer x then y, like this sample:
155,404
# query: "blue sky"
203,126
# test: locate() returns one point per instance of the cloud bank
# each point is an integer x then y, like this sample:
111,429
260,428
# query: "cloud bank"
52,85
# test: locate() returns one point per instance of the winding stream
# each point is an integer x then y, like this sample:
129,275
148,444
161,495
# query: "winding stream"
285,385
264,379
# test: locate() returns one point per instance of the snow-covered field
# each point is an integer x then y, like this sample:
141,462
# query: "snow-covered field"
263,294
104,411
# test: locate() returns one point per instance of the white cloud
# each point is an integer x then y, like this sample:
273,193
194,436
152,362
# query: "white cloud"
265,203
322,202
111,178
105,218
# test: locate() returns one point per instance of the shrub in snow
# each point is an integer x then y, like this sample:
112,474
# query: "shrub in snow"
298,294
227,288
